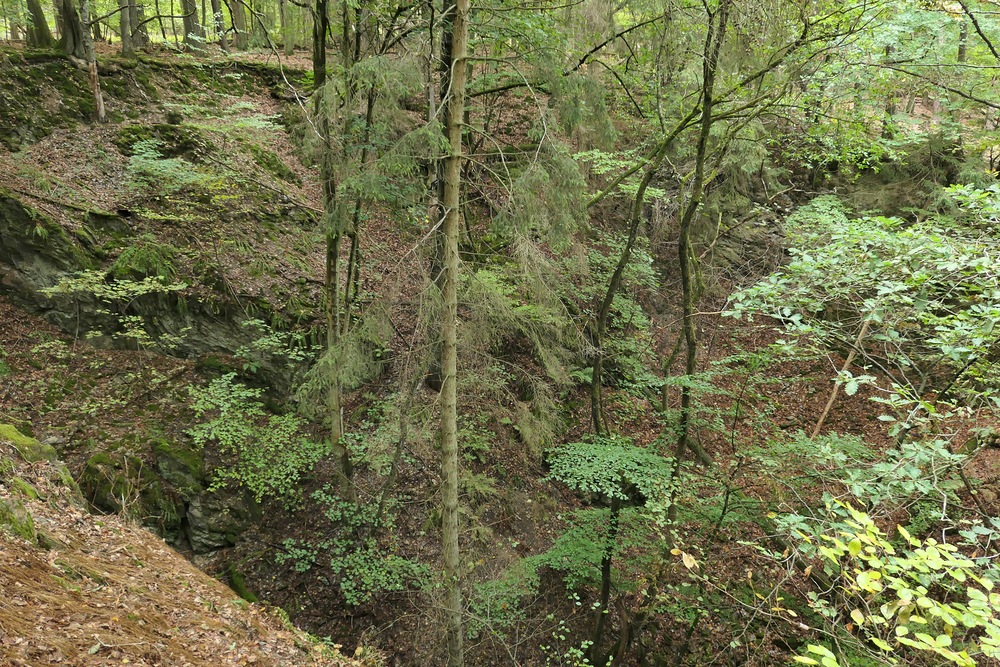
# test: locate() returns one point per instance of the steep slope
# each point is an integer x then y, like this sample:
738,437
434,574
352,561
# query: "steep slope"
77,589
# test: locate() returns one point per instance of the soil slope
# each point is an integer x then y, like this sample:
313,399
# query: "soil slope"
78,589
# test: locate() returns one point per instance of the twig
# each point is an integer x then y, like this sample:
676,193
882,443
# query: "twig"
836,387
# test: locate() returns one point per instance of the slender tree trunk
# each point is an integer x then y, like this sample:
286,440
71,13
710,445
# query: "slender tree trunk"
284,12
718,22
125,28
963,41
173,24
38,33
594,654
449,334
91,56
219,25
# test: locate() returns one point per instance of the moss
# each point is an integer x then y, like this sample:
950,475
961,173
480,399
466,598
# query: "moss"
30,449
271,163
23,488
39,92
175,140
238,582
214,364
118,483
15,519
29,231
181,466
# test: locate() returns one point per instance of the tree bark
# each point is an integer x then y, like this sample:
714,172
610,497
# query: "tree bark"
38,33
219,24
125,28
717,24
137,21
242,38
91,56
194,33
449,334
284,12
71,42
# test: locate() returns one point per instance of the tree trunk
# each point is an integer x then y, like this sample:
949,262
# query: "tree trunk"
241,38
159,19
594,654
125,28
713,46
219,24
137,21
963,41
72,40
449,335
285,12
91,55
321,24
38,33
194,34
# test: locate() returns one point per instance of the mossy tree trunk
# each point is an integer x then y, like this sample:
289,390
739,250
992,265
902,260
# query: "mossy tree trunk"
71,28
449,334
718,21
91,55
37,31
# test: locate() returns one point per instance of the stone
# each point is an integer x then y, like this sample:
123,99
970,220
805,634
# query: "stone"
215,520
119,484
181,466
14,518
30,449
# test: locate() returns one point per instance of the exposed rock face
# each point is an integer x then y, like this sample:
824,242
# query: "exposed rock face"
173,499
35,252
214,521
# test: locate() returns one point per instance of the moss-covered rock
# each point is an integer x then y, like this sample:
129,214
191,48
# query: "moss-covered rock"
16,520
23,488
29,449
238,582
215,520
271,163
180,465
39,93
119,483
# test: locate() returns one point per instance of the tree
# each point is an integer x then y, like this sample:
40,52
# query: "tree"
37,31
451,203
194,31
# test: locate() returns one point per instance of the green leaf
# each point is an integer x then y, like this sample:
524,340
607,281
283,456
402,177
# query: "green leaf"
854,547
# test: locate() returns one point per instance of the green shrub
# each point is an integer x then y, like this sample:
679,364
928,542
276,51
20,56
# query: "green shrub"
269,453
